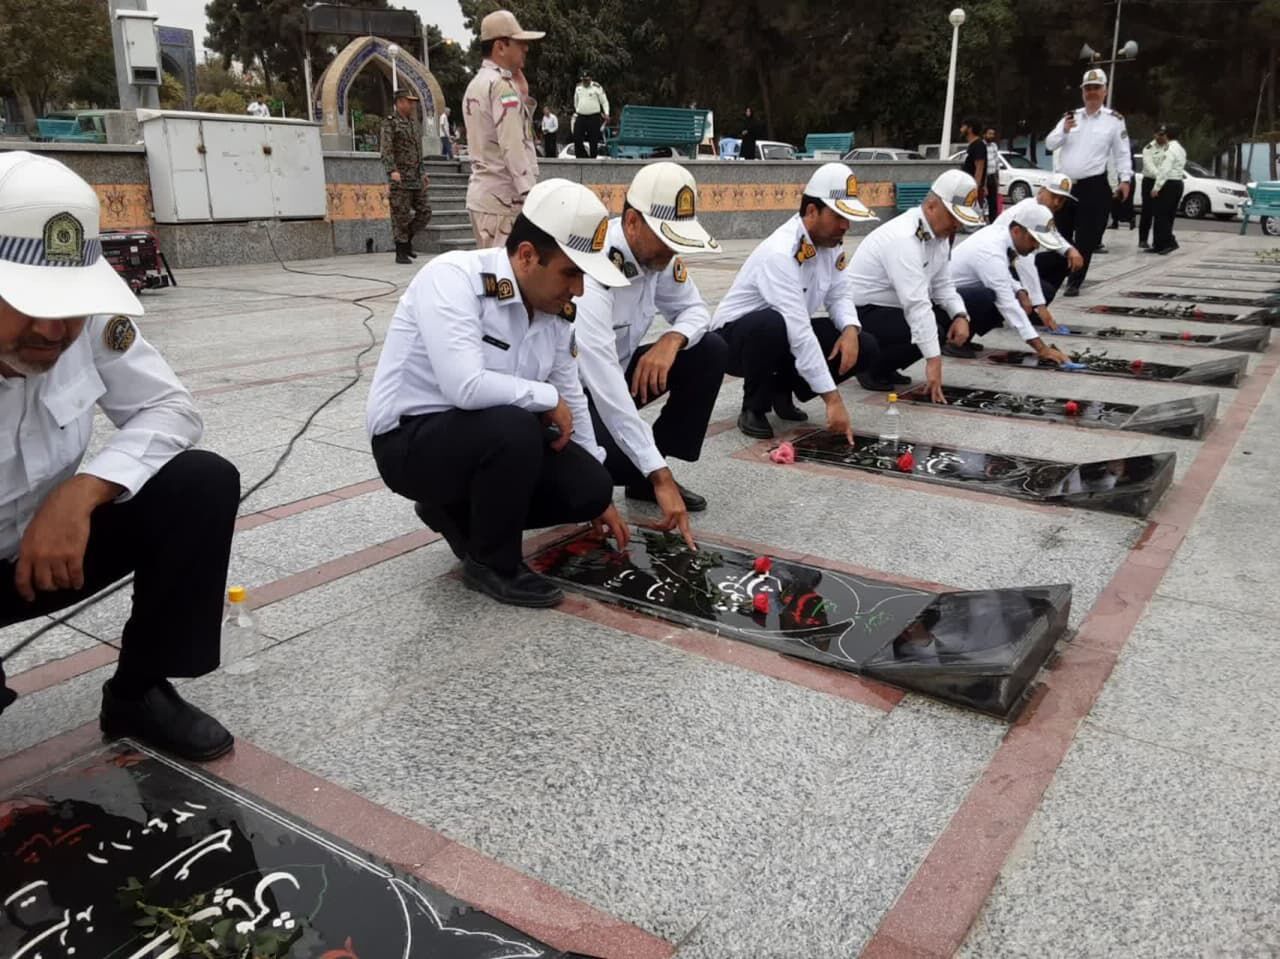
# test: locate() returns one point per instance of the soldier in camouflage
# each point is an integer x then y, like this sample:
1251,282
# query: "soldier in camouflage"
402,159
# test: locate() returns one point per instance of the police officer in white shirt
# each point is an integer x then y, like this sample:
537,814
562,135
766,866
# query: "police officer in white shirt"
1087,139
902,284
146,503
687,362
982,269
776,344
476,412
1042,274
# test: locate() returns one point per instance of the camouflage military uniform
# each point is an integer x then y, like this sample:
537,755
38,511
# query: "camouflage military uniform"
504,163
402,150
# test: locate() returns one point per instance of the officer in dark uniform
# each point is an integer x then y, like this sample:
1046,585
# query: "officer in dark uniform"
146,503
402,159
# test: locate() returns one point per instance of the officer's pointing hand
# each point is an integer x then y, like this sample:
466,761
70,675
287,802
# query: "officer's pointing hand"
675,514
562,419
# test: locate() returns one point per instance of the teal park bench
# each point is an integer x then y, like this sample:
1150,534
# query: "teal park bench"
67,131
641,126
840,143
908,195
1264,203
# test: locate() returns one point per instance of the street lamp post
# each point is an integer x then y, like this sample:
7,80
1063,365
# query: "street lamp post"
393,51
957,18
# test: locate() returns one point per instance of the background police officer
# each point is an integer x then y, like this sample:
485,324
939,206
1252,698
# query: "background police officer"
1087,138
591,113
479,364
401,142
146,503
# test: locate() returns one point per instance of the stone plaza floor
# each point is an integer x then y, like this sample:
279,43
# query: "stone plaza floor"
616,786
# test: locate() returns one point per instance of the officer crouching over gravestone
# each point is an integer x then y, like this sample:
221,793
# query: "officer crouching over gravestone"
476,412
147,504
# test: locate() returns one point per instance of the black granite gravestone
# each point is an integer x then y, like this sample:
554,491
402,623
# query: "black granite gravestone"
1210,298
1225,371
1188,418
125,854
1131,485
979,649
1256,338
1166,313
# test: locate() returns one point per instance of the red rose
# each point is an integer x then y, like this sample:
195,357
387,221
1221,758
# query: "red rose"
760,602
1072,407
906,462
762,564
1136,365
1185,335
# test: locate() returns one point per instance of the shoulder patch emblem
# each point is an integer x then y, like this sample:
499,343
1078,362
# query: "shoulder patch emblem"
506,289
597,241
490,284
573,343
805,251
842,261
119,334
922,234
568,312
679,271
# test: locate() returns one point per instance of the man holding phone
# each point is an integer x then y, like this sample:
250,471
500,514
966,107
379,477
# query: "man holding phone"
1088,137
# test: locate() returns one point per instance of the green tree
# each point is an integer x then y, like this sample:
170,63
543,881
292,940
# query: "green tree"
44,44
173,95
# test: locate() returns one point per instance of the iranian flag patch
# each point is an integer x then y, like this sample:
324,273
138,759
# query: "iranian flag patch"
509,100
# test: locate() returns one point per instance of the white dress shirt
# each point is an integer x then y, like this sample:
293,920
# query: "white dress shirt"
788,273
461,338
903,265
1025,266
1097,137
444,126
984,260
49,421
550,123
612,323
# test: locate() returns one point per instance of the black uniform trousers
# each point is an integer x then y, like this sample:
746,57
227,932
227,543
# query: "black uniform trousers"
1052,269
694,383
760,353
984,315
1148,214
993,198
586,135
1166,205
1084,222
549,146
174,536
493,474
888,324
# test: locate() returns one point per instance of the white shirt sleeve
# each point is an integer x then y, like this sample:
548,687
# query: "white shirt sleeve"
1121,153
840,300
447,314
155,416
781,284
942,290
1054,140
605,378
904,263
994,271
683,306
1025,266
564,377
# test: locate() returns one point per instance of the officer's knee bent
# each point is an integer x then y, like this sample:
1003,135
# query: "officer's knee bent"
712,354
515,431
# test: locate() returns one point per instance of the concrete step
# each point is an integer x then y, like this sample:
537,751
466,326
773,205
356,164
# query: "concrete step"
438,237
446,193
441,217
458,244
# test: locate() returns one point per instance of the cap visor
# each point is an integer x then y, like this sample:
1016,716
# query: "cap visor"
969,217
1051,241
529,35
596,266
1063,193
60,292
852,210
683,236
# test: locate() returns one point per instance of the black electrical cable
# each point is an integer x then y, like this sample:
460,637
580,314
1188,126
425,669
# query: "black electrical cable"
359,301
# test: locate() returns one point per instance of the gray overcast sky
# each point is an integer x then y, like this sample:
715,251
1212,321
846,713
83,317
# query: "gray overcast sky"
445,14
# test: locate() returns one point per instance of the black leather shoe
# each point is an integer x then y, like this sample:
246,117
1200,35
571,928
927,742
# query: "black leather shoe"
897,379
877,384
524,587
644,493
785,409
1143,245
1101,248
1071,291
436,519
408,248
959,352
402,256
755,424
163,719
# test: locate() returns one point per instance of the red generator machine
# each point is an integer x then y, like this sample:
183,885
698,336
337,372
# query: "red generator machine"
137,258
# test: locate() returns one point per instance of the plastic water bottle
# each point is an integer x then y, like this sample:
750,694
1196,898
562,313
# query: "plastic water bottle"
891,425
239,632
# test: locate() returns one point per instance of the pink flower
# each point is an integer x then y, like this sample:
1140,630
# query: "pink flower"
783,453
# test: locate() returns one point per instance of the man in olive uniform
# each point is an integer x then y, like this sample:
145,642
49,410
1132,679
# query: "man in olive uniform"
402,159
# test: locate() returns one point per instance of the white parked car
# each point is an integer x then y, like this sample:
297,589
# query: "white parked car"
765,149
1202,192
1019,177
863,154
